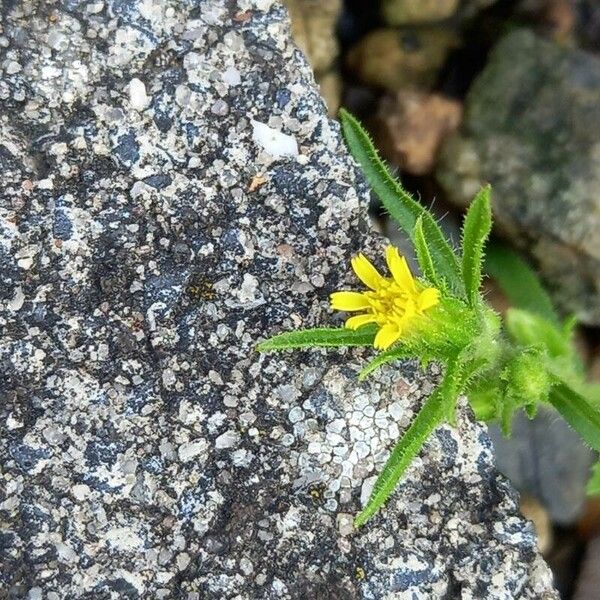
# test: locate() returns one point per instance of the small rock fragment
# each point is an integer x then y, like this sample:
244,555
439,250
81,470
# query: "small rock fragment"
272,141
138,99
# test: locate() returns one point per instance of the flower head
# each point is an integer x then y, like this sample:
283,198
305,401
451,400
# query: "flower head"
391,302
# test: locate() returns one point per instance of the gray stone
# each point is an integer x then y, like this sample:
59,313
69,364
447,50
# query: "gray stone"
133,330
530,130
545,458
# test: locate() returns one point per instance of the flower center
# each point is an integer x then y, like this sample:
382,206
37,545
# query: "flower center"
392,304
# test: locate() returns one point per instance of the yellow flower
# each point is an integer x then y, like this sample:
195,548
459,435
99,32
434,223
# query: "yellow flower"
391,302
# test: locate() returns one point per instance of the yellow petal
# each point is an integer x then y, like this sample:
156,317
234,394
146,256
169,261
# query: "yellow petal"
428,297
409,308
348,301
360,320
386,336
366,272
399,269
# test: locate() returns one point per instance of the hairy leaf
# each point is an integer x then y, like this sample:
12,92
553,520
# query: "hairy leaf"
476,229
519,282
385,357
320,337
484,399
427,420
578,412
403,208
424,255
530,329
593,485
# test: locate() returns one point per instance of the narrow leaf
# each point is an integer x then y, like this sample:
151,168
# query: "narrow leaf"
403,208
593,485
519,282
320,337
424,255
578,412
427,420
383,358
476,229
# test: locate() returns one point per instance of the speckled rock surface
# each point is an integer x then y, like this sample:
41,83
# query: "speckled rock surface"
530,129
172,192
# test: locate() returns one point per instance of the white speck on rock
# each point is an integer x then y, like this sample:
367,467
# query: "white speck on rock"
248,289
12,67
168,377
273,142
65,553
123,538
231,76
219,108
138,98
12,423
189,450
45,184
80,491
366,489
25,263
345,524
246,566
362,449
18,299
296,414
229,439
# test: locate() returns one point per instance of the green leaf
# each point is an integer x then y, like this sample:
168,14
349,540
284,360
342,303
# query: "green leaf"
578,412
320,337
530,329
430,416
403,208
519,282
424,257
593,485
476,229
484,398
507,409
385,357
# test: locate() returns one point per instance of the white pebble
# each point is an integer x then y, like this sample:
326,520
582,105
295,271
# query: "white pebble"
138,98
273,142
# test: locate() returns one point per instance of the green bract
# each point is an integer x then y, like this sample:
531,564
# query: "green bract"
501,367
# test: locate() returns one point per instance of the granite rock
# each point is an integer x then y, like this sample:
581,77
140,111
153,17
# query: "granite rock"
530,129
313,28
173,192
